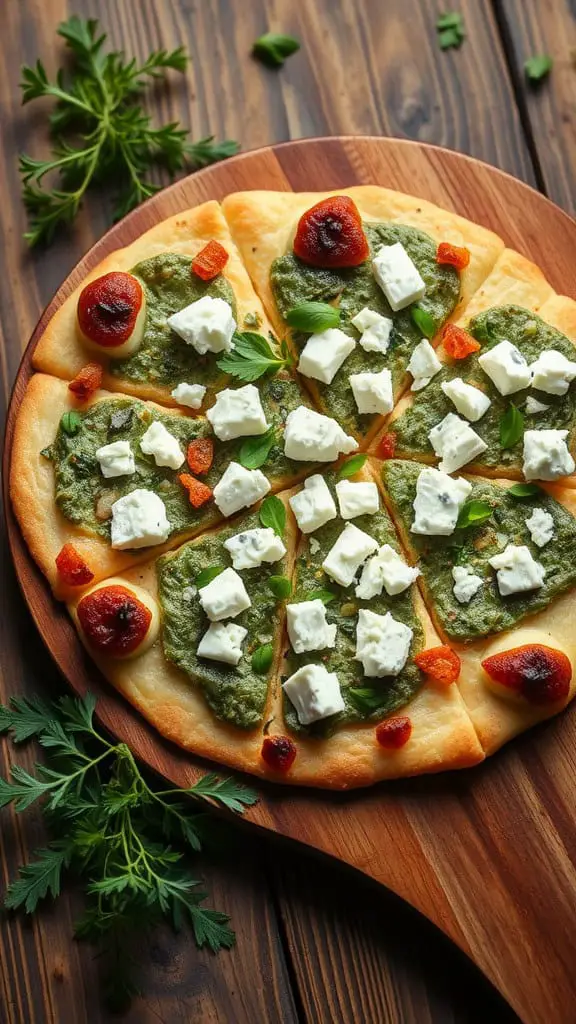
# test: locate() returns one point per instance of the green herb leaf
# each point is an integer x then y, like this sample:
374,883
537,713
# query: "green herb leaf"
321,594
280,586
473,513
39,877
71,422
262,659
273,513
313,317
273,48
450,29
250,358
235,796
511,427
351,466
538,67
255,450
25,716
206,576
366,698
424,321
524,491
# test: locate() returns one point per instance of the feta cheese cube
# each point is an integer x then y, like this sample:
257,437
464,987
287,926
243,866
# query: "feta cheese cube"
207,325
385,570
224,597
357,499
222,642
437,504
373,391
348,554
308,629
374,330
516,570
314,692
533,406
466,583
116,459
506,367
311,437
251,548
469,401
139,520
541,527
237,413
423,365
546,455
324,353
313,505
398,276
455,442
238,488
190,395
382,643
552,372
162,445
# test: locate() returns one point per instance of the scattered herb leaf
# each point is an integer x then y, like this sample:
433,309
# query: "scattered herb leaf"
71,422
280,586
424,321
205,576
524,490
351,466
273,513
255,450
538,67
450,29
262,659
273,48
313,317
511,426
367,698
473,513
321,594
251,357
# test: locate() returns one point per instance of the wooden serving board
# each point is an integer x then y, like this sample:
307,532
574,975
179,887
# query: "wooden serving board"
488,854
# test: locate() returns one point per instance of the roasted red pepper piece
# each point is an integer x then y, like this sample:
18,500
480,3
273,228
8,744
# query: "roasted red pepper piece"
114,621
330,234
108,308
540,674
386,446
72,568
453,255
210,261
279,752
394,732
198,493
200,455
440,663
86,382
458,343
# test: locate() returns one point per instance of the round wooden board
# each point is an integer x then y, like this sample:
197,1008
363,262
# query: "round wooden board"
485,853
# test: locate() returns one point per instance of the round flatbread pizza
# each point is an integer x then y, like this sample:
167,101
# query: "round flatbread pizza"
302,468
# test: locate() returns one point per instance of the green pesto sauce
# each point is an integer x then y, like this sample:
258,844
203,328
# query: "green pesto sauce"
293,282
487,612
236,694
532,336
163,358
396,691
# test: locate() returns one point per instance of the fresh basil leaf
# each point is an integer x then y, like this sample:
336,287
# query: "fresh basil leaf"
71,422
255,450
272,513
366,698
273,48
206,576
538,67
424,321
313,317
250,358
280,586
524,490
262,659
321,594
473,513
511,427
351,466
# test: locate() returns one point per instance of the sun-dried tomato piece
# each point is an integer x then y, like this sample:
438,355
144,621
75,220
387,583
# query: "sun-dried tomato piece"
453,255
440,663
394,732
87,381
330,234
540,674
198,493
210,261
114,620
458,343
200,454
72,568
279,752
108,308
387,446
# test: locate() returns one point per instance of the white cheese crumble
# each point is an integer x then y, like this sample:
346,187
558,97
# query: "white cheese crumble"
552,372
398,276
385,570
466,583
224,597
311,437
438,501
454,441
251,548
237,412
308,629
116,459
222,642
348,554
357,499
374,330
139,520
190,395
423,365
314,692
238,488
546,455
506,367
162,445
382,643
373,391
469,401
533,406
541,527
207,325
516,570
314,545
324,354
313,505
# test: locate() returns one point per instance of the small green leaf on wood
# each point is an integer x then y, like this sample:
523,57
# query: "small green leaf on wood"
520,491
511,427
450,29
538,67
280,586
352,466
313,317
205,576
262,659
321,594
473,513
273,513
71,422
273,48
424,321
255,450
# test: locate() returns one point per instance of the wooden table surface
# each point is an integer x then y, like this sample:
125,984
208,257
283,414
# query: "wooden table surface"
316,943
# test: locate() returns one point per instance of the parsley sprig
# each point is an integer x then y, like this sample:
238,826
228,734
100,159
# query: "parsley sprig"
252,357
100,132
126,838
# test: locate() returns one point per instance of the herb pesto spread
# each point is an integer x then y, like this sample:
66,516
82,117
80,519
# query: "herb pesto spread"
293,282
487,612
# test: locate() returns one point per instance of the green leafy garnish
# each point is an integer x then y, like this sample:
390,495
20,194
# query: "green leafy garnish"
255,450
205,576
129,839
450,29
366,698
251,357
313,317
511,427
280,586
321,594
424,321
273,513
262,659
351,466
100,132
538,67
524,490
473,513
71,422
273,48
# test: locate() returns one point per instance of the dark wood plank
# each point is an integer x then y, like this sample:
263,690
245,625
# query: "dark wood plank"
533,27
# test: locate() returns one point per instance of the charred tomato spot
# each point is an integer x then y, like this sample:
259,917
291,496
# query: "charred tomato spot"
279,752
114,621
330,234
108,308
540,674
394,733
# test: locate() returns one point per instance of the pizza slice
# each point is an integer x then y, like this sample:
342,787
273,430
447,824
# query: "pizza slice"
392,268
